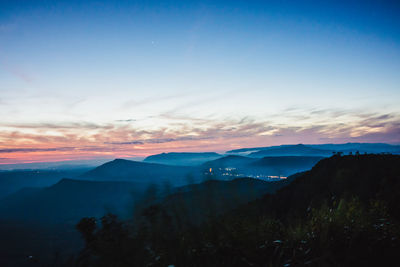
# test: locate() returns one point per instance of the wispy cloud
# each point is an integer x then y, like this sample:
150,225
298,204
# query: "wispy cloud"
126,120
70,125
161,140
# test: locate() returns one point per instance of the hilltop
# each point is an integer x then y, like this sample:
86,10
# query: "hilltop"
140,172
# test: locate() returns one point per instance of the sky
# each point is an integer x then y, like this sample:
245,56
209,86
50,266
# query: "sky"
106,79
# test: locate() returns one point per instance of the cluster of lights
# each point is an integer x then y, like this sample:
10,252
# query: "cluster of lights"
228,172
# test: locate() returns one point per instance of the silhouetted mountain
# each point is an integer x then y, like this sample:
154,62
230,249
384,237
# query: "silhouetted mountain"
182,158
12,181
346,148
69,200
141,172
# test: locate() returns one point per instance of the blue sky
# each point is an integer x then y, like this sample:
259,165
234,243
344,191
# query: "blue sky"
126,78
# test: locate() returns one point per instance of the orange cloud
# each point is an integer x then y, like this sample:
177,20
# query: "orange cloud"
74,141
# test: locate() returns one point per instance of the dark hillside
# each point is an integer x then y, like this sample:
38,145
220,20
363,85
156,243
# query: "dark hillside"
366,176
198,202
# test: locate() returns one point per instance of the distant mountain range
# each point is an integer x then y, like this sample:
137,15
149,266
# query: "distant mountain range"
182,158
145,174
317,150
185,181
121,182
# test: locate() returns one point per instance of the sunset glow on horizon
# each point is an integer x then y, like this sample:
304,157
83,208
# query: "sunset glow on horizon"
104,79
